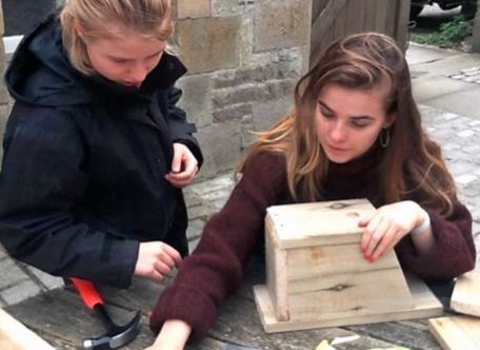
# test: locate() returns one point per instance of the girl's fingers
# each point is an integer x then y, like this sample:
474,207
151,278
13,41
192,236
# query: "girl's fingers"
365,219
369,231
387,240
378,232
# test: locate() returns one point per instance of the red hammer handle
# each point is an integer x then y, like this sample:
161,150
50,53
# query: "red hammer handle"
87,291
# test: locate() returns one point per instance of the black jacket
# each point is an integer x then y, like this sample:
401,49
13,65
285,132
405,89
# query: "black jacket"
82,179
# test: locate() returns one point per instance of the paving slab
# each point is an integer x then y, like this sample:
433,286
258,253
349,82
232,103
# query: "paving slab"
446,66
426,88
464,102
417,53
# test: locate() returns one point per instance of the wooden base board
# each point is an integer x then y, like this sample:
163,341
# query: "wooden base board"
15,336
425,305
456,332
466,295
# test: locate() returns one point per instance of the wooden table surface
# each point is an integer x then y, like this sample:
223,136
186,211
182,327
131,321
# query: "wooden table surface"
61,319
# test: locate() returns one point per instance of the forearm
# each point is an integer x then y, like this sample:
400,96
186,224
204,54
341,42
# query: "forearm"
172,336
422,235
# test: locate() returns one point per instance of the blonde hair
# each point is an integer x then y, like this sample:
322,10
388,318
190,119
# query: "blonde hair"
411,162
151,18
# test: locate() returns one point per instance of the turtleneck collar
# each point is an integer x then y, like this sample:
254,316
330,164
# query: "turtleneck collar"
366,163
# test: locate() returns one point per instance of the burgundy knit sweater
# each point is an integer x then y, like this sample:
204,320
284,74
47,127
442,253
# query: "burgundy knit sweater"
215,269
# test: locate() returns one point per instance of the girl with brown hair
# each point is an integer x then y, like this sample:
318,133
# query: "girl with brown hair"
95,151
355,132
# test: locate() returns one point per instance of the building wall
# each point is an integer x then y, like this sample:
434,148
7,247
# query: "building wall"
244,58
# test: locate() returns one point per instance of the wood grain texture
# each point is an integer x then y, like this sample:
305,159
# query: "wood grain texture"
15,336
320,223
466,294
277,279
456,332
60,318
425,305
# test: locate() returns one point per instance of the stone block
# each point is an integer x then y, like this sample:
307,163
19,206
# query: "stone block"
224,7
3,253
193,9
219,184
20,292
221,145
209,44
191,198
267,113
253,93
248,132
258,74
193,233
192,245
196,99
282,24
199,212
47,280
235,112
241,94
11,274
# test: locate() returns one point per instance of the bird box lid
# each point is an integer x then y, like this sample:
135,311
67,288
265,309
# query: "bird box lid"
319,223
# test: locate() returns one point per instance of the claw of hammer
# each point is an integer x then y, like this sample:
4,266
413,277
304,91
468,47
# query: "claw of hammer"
116,336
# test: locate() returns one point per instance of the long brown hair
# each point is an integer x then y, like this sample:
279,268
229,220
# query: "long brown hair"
151,18
411,162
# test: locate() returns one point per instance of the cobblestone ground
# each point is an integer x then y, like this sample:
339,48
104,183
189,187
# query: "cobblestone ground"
457,135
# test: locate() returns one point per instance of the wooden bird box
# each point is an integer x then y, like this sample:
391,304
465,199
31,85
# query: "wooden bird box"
317,275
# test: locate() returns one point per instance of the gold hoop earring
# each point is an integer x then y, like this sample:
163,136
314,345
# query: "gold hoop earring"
384,137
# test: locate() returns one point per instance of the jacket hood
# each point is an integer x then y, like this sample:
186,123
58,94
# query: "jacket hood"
40,73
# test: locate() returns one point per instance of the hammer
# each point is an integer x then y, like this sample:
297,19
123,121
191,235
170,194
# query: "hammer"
116,336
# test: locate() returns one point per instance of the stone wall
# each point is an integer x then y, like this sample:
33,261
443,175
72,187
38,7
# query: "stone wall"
244,58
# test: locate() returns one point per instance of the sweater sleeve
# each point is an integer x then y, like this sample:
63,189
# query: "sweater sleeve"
454,251
215,269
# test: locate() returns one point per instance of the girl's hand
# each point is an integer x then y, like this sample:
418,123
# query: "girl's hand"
184,166
385,227
156,259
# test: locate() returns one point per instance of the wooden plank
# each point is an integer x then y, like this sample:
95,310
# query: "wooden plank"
336,278
409,334
321,27
402,19
52,314
381,14
456,332
15,336
426,305
354,14
369,19
317,7
339,281
339,25
277,277
476,33
466,294
321,267
321,223
238,323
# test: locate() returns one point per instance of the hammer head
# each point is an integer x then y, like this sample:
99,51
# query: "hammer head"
116,336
